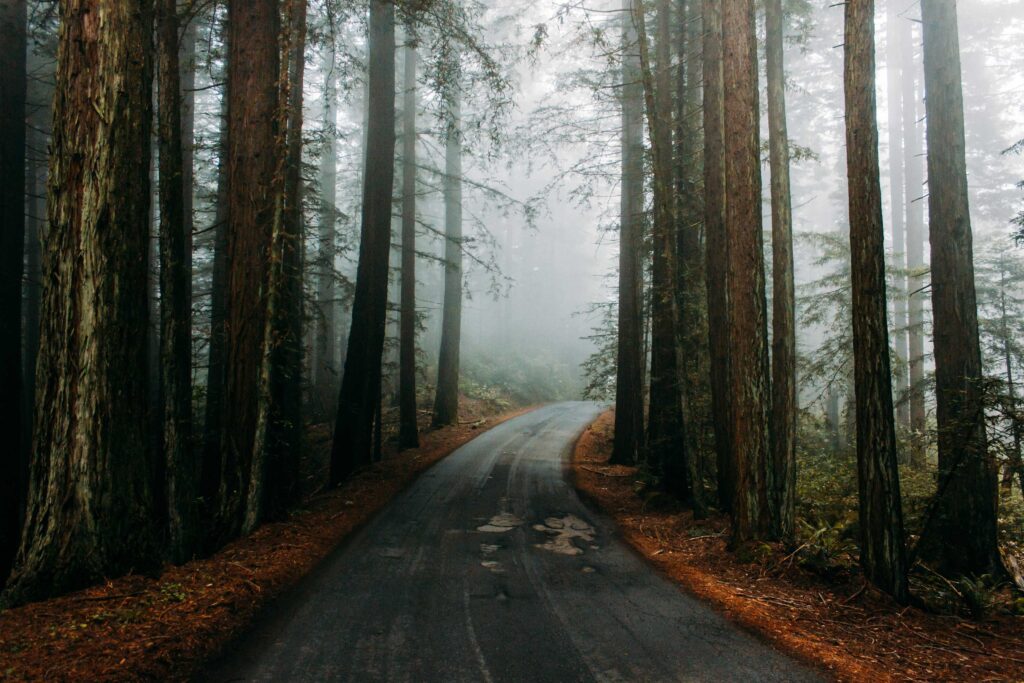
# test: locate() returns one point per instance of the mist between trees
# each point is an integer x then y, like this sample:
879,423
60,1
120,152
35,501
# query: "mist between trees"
250,245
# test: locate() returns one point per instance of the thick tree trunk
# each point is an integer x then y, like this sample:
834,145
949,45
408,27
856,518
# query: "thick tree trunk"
748,324
784,394
175,298
666,444
914,183
13,84
325,352
408,431
629,405
446,398
90,513
897,208
253,63
353,430
883,554
277,443
716,247
962,536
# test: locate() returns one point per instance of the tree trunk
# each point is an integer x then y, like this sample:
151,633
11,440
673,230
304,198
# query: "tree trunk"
748,325
408,432
882,553
13,83
446,399
326,349
784,394
916,294
90,512
277,443
962,538
898,210
665,428
716,248
1016,463
353,430
629,384
253,64
175,298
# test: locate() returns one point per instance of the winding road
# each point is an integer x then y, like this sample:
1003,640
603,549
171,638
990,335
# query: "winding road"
489,568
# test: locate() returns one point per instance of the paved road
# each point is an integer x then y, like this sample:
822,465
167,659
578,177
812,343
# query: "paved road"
490,569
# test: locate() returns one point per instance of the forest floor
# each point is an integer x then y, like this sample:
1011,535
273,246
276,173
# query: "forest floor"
148,628
837,623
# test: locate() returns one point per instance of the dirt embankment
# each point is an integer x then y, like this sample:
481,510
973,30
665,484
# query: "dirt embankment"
848,629
142,628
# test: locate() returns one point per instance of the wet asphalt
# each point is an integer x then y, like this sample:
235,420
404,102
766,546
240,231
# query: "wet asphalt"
489,568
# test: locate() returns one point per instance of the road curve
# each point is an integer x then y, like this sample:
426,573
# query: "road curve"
489,568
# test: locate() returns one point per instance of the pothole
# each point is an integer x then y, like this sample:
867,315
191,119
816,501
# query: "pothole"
562,531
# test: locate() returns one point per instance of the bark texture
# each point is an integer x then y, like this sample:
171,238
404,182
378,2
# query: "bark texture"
784,395
360,386
883,554
962,536
446,398
90,512
748,331
629,405
13,84
408,432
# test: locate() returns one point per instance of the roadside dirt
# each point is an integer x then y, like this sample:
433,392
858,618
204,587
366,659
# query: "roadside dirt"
853,632
142,628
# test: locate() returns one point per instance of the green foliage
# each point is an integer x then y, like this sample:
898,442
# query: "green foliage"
600,368
826,549
522,377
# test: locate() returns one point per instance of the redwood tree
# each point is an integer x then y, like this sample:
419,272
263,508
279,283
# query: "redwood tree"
90,513
408,432
360,386
883,554
962,533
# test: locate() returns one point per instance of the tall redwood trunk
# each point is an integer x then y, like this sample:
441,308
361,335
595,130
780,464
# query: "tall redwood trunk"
882,552
748,323
13,85
716,247
253,63
784,394
629,406
962,536
408,432
90,513
175,298
446,398
353,429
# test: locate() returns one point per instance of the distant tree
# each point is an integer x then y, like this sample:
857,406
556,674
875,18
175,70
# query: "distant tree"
748,334
14,84
961,533
408,432
629,377
882,552
90,513
352,445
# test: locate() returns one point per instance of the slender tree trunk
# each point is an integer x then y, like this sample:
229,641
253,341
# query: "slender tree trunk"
629,406
914,183
784,394
446,399
175,298
326,349
277,443
90,512
716,247
963,534
883,554
665,427
253,67
13,83
748,324
1016,464
897,187
408,432
353,430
